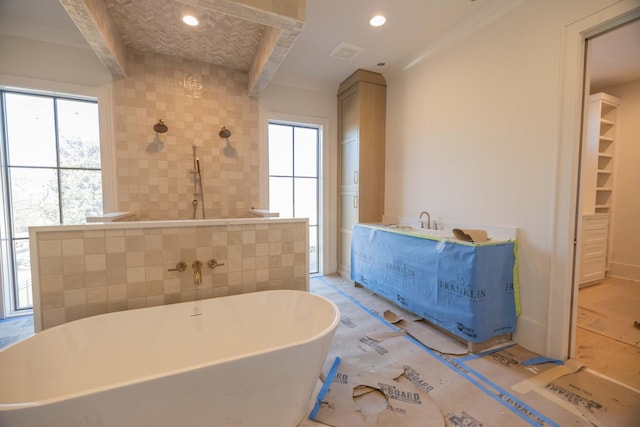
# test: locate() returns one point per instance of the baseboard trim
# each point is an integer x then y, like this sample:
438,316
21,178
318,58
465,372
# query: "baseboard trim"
624,271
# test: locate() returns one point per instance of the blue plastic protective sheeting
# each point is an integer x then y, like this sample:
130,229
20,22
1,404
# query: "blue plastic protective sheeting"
467,289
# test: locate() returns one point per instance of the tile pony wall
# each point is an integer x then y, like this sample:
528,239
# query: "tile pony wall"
99,268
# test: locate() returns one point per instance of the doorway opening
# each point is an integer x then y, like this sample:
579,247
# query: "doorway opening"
607,265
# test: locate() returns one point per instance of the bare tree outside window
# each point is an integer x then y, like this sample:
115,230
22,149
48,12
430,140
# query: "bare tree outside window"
51,174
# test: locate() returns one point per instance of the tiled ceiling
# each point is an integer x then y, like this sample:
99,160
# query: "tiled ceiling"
253,36
155,26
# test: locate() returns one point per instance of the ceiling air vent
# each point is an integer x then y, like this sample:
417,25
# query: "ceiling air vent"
345,50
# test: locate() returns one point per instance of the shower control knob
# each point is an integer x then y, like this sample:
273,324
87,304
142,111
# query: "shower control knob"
181,266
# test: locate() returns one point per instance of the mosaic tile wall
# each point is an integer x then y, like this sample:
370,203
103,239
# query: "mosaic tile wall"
194,99
108,268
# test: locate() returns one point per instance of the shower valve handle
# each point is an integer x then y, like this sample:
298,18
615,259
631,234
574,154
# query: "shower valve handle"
181,266
213,263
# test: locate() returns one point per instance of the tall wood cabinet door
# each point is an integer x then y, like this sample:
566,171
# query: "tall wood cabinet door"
349,176
350,170
371,154
348,218
350,152
361,132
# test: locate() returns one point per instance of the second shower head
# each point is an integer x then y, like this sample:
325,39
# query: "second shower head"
160,127
224,132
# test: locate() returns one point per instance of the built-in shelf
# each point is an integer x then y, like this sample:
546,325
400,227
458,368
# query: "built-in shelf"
599,153
598,185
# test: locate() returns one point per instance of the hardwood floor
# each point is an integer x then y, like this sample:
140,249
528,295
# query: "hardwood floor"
606,339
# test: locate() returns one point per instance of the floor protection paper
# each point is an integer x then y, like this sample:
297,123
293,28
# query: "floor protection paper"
463,389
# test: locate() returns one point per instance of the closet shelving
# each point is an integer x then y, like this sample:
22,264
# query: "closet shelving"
605,145
597,185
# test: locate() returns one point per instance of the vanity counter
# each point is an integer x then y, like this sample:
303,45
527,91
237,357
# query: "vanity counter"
468,289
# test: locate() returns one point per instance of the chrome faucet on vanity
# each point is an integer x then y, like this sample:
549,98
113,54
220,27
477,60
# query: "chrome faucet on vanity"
428,219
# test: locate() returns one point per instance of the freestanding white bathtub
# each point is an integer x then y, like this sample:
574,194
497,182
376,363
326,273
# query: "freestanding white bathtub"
244,360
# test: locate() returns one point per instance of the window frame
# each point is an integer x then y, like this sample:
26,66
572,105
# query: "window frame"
104,97
295,177
324,189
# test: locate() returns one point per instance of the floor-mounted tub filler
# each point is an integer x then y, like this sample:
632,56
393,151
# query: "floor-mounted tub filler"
243,360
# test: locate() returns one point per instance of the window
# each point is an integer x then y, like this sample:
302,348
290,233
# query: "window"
293,178
51,174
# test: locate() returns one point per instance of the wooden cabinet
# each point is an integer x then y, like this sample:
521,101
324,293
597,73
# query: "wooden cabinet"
593,248
361,135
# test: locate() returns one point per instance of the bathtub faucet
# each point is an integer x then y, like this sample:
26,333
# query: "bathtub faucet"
197,272
428,219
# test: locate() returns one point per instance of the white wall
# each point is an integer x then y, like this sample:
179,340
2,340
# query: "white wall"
39,60
624,245
307,105
473,136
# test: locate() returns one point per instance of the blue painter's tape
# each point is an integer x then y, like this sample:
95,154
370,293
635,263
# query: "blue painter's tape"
325,387
497,393
540,359
474,356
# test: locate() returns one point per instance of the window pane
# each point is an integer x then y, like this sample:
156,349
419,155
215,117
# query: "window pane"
81,195
280,150
313,249
306,152
24,296
34,197
79,135
30,130
39,192
306,199
281,196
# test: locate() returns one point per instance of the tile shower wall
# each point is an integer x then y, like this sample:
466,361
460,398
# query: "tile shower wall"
104,269
194,99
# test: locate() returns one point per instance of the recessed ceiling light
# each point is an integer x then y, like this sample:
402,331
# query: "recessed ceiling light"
190,20
377,21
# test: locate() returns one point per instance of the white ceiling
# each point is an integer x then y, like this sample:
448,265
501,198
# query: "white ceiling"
409,30
615,57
